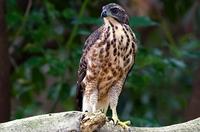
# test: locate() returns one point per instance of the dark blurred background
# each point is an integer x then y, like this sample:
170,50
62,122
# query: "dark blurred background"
41,43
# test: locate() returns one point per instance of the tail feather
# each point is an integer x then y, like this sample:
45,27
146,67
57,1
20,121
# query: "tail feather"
79,97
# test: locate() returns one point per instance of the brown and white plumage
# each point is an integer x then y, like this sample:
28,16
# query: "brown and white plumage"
108,55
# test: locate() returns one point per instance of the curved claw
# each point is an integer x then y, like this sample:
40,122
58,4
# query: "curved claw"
110,119
102,111
124,124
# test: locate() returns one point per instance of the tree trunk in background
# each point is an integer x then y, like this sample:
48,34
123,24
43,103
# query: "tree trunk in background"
193,110
4,68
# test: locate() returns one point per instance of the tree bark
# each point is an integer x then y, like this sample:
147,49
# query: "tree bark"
4,68
85,122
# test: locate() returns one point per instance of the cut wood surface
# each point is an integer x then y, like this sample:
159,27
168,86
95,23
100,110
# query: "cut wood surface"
86,122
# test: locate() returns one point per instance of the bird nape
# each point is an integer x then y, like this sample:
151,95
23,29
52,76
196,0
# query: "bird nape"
108,56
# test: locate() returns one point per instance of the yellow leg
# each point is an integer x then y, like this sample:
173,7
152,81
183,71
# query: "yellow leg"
114,93
116,120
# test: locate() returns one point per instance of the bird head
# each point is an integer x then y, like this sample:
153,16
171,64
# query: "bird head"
115,11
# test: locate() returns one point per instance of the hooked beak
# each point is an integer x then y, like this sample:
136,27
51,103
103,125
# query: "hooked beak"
103,14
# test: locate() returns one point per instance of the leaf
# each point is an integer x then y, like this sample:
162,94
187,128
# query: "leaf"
57,67
52,12
84,32
141,21
54,91
89,21
33,48
68,13
14,19
58,91
38,80
177,63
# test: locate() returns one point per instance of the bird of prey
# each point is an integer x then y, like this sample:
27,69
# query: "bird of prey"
108,56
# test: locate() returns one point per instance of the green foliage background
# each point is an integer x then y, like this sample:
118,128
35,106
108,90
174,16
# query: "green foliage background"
46,39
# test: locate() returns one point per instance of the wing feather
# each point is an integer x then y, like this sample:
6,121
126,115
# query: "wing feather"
83,65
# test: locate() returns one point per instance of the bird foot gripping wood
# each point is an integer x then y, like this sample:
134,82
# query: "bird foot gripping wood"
123,124
92,121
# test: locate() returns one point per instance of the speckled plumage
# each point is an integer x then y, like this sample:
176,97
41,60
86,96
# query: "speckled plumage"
108,55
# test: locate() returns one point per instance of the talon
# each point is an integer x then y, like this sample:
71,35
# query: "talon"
83,117
110,119
101,110
116,123
124,124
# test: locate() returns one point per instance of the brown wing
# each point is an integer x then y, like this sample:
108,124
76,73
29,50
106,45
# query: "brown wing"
83,66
